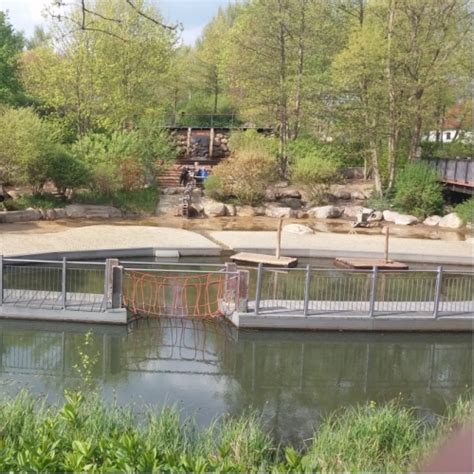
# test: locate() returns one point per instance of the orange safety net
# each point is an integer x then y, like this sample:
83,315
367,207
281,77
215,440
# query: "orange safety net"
205,296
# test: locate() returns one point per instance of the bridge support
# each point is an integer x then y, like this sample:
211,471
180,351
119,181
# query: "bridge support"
211,142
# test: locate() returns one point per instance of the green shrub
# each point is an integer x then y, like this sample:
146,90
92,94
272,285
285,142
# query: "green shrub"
455,149
36,201
465,210
252,141
214,188
417,190
316,174
245,176
305,147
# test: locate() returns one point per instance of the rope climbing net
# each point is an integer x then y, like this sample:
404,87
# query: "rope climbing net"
197,295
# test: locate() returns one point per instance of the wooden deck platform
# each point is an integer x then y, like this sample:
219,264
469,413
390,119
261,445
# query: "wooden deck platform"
266,260
369,264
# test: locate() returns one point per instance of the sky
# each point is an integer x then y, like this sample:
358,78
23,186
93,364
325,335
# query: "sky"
193,14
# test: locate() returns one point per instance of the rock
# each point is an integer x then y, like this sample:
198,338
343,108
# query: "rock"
260,210
245,211
343,195
195,210
230,210
358,195
297,229
301,215
289,193
400,219
270,195
50,215
11,217
451,221
60,213
354,211
325,212
214,209
75,211
375,216
353,173
281,185
283,212
390,216
405,219
432,220
290,202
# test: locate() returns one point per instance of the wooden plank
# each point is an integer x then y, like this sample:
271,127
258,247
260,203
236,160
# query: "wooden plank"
268,260
369,263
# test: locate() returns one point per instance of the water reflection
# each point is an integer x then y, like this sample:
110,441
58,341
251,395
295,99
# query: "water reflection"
208,369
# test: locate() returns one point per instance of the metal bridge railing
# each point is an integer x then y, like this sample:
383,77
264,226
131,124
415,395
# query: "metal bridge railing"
311,291
53,284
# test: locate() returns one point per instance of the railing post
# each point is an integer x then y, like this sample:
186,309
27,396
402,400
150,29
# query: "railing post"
373,291
117,285
63,283
437,298
243,291
306,289
259,288
110,263
1,279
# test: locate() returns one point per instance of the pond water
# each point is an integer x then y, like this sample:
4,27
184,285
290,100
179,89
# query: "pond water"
209,368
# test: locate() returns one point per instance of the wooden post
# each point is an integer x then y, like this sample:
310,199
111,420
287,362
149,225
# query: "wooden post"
387,237
278,249
211,143
188,142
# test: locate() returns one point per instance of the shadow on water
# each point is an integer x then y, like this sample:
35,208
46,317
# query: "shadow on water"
208,368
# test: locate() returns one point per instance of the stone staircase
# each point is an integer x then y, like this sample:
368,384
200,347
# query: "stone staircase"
170,177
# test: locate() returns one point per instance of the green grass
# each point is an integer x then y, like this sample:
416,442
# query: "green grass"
142,200
465,210
36,201
85,434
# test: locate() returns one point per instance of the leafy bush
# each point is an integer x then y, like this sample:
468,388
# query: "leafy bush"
306,147
139,200
417,190
455,149
252,141
316,174
125,160
26,143
214,188
244,176
465,210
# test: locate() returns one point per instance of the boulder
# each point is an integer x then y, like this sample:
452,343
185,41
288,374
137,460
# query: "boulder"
214,209
60,213
289,193
283,212
358,195
50,214
325,212
11,217
270,195
245,211
301,215
76,211
406,219
375,216
390,216
297,229
260,211
354,211
400,219
451,221
290,202
230,210
432,220
343,195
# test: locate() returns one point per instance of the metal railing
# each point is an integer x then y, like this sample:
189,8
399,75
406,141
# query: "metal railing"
53,284
312,291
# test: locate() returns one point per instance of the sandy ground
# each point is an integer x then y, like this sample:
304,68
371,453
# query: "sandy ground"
236,234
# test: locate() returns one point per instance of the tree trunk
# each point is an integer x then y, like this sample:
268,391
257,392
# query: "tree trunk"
300,70
417,127
283,106
392,106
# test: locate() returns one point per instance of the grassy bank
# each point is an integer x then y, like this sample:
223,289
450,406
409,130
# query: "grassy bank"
85,434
